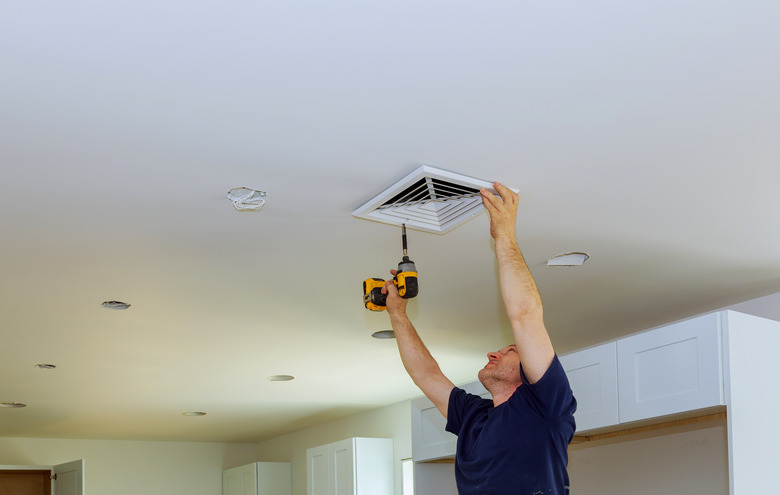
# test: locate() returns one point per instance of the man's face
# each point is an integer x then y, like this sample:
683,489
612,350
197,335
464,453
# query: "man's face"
503,367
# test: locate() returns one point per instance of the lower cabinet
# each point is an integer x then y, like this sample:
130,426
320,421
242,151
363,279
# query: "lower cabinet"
355,466
258,478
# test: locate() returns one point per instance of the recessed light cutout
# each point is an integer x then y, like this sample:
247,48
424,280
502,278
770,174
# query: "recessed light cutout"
193,413
384,334
45,366
115,305
12,405
569,259
280,378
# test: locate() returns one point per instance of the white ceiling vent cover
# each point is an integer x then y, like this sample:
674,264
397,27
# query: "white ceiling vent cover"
428,199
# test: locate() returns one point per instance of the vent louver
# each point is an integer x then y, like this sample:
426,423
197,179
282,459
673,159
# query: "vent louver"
428,199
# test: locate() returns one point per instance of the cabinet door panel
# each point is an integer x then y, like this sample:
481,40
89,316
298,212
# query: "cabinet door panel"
241,480
429,438
671,369
593,379
318,481
342,467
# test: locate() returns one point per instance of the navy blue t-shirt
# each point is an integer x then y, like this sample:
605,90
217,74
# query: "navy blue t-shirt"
519,447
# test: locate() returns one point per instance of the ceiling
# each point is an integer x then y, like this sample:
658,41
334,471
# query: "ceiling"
642,133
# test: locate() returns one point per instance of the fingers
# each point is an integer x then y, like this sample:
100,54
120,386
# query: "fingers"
507,195
492,203
489,200
390,287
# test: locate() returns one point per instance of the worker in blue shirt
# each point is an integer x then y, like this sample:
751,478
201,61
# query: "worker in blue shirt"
517,442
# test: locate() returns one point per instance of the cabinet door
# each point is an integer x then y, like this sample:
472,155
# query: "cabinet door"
593,378
274,478
342,467
429,438
318,482
671,369
241,480
373,466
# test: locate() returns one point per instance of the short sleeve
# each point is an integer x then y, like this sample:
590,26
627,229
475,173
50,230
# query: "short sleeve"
551,396
460,406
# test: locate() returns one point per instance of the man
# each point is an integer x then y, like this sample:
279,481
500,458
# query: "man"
516,443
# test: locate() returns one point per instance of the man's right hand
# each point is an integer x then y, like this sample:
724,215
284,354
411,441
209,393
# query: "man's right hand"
396,305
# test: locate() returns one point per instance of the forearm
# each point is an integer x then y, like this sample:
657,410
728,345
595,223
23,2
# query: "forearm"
419,364
518,288
416,358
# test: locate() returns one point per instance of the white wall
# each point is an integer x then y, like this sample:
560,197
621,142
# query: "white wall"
689,460
130,468
393,421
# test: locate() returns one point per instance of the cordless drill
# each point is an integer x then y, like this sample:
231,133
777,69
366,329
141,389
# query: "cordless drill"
405,279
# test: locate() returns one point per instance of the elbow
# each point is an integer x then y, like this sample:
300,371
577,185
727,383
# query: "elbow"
525,313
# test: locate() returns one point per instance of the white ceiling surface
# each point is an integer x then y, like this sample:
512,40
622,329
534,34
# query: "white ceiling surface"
643,133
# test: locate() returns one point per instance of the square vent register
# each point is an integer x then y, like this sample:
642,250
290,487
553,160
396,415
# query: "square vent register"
428,199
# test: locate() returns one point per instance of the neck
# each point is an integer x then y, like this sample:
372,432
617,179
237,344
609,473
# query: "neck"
501,392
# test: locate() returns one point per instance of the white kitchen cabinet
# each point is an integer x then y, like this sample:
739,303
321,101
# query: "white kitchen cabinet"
355,466
430,441
258,478
672,369
593,377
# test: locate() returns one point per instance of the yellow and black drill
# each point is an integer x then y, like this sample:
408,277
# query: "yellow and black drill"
405,279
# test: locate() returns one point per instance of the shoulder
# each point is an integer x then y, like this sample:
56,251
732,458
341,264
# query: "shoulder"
551,396
554,375
461,399
463,408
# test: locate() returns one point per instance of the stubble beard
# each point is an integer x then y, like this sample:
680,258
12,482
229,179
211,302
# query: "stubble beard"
497,378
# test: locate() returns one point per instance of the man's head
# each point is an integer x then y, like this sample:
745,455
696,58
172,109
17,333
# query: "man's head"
502,370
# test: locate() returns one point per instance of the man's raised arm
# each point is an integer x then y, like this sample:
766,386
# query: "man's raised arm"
422,368
521,297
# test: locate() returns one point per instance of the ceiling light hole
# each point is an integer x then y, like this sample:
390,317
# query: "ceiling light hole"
12,405
193,413
281,378
384,334
115,305
246,199
569,259
45,366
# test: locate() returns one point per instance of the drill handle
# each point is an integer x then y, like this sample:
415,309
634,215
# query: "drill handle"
407,284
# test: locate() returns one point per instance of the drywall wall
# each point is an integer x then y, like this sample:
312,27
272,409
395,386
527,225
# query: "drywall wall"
393,421
129,468
690,460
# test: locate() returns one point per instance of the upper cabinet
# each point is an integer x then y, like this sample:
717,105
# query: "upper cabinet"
672,369
258,478
593,378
